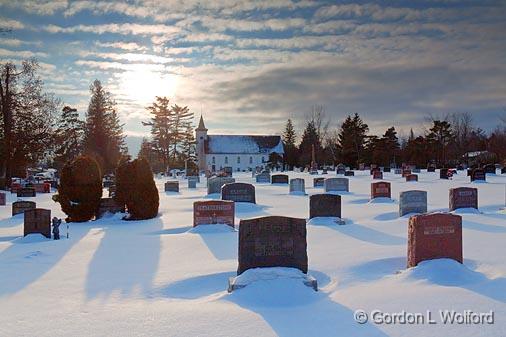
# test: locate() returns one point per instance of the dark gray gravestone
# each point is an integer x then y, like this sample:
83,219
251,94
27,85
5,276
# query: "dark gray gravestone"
386,169
490,168
397,171
109,205
318,182
2,199
463,197
377,174
21,206
214,184
478,175
264,177
192,182
172,186
443,173
238,192
37,220
431,169
324,205
26,192
503,170
272,241
336,185
412,202
297,185
349,173
197,178
279,179
341,171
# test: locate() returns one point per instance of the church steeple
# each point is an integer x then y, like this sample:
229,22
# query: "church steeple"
201,126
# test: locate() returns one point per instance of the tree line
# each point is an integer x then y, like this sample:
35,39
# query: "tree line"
36,128
448,141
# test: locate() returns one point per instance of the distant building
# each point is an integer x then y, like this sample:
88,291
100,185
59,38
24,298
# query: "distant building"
241,152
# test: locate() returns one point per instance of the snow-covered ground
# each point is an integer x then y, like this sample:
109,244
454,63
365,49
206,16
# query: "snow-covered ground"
161,278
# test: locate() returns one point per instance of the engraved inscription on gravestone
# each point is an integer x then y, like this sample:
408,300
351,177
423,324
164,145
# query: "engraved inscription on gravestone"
297,185
412,202
21,206
214,212
238,192
272,241
324,205
380,189
336,185
463,197
172,186
279,179
37,220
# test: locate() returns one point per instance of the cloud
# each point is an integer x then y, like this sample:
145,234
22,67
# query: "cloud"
6,23
40,7
117,28
20,54
131,46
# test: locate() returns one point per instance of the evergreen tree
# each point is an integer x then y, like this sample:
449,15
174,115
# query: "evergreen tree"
149,153
439,136
69,135
352,138
103,136
310,138
160,128
181,117
289,138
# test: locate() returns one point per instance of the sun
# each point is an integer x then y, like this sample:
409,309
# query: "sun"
142,85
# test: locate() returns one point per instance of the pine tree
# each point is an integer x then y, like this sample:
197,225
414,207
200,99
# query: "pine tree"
439,136
180,118
352,137
310,138
160,128
69,135
103,136
149,153
289,138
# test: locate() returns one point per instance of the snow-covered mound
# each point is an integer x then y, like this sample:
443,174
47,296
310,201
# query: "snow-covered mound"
326,221
32,238
211,228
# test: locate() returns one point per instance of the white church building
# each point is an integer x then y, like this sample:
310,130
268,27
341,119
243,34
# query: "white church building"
240,152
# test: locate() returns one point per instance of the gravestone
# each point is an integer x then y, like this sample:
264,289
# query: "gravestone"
415,170
325,171
238,192
21,206
26,192
374,169
214,184
42,187
381,189
397,171
107,183
112,191
406,172
109,205
324,205
443,173
336,185
192,182
341,171
318,182
478,175
264,177
37,220
490,168
279,179
412,177
503,170
172,186
15,187
196,178
297,185
469,172
349,173
463,197
377,174
228,171
431,169
272,241
213,212
434,236
412,202
2,199
387,169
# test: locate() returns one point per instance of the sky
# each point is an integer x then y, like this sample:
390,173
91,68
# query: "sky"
249,66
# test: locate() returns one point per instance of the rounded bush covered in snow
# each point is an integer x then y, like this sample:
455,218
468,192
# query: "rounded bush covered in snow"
80,189
135,188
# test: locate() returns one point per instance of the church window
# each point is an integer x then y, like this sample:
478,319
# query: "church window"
214,160
263,159
251,160
226,160
238,160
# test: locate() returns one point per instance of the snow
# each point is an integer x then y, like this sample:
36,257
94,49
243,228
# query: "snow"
241,145
162,277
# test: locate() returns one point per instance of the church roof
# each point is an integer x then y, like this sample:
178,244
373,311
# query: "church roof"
243,144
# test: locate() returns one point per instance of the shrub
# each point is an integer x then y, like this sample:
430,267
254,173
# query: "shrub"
135,188
80,189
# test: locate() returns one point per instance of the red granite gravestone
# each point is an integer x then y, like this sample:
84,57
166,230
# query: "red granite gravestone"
213,212
26,192
434,236
272,241
37,220
406,172
374,169
376,174
42,187
15,187
238,192
279,179
324,205
412,177
463,197
109,205
2,199
380,189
